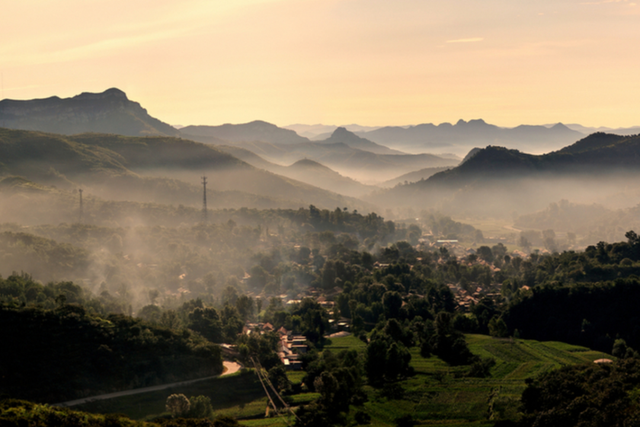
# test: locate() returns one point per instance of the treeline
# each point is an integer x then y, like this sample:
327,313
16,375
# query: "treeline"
583,395
20,413
54,355
191,261
593,315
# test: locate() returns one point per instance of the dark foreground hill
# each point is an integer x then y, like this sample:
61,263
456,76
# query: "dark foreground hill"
107,112
70,353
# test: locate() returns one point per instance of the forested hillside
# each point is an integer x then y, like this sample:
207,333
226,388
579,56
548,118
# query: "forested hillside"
153,169
66,353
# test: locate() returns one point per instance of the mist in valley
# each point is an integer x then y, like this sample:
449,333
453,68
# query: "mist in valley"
319,214
313,237
141,239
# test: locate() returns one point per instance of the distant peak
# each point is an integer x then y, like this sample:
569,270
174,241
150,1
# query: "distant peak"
474,122
344,134
477,122
261,122
113,93
307,163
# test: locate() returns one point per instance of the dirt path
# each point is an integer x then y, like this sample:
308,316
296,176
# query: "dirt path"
230,368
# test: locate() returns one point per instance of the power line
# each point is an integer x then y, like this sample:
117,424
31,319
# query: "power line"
264,387
268,381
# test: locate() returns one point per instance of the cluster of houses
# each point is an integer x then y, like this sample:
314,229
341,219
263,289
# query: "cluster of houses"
290,346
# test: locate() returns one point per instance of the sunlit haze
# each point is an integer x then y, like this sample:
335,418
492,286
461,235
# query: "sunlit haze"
370,62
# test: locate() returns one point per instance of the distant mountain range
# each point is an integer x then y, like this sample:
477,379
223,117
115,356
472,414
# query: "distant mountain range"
154,169
107,112
343,151
342,135
305,170
247,132
369,154
112,112
595,154
259,131
500,180
314,131
356,163
460,136
618,131
464,135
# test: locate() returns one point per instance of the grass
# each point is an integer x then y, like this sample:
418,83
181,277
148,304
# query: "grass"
295,377
269,422
437,394
344,343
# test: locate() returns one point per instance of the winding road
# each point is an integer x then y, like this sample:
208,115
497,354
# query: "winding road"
230,368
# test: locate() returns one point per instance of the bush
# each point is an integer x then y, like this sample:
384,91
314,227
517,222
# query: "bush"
178,404
481,368
362,418
200,407
405,421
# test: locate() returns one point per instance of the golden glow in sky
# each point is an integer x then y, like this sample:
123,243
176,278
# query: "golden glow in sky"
371,62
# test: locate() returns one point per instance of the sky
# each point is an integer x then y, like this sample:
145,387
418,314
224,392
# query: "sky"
371,62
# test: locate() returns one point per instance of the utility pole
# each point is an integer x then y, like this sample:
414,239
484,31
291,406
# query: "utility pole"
204,199
80,206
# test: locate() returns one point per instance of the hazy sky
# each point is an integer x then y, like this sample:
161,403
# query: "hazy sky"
371,62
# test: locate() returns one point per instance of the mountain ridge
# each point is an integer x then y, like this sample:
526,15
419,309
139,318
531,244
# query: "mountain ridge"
342,135
106,112
496,180
117,165
463,134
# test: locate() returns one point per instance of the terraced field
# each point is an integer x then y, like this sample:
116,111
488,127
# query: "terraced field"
436,395
440,394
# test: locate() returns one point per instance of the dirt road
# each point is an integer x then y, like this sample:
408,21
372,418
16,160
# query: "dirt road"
230,368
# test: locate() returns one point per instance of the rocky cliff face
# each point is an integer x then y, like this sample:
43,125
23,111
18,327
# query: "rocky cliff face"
107,112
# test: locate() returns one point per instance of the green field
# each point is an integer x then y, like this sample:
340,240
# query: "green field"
436,395
344,343
440,394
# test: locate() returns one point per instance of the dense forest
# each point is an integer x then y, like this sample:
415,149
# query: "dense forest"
397,294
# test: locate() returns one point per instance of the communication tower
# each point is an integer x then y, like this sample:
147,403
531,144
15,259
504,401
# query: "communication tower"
204,199
80,206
